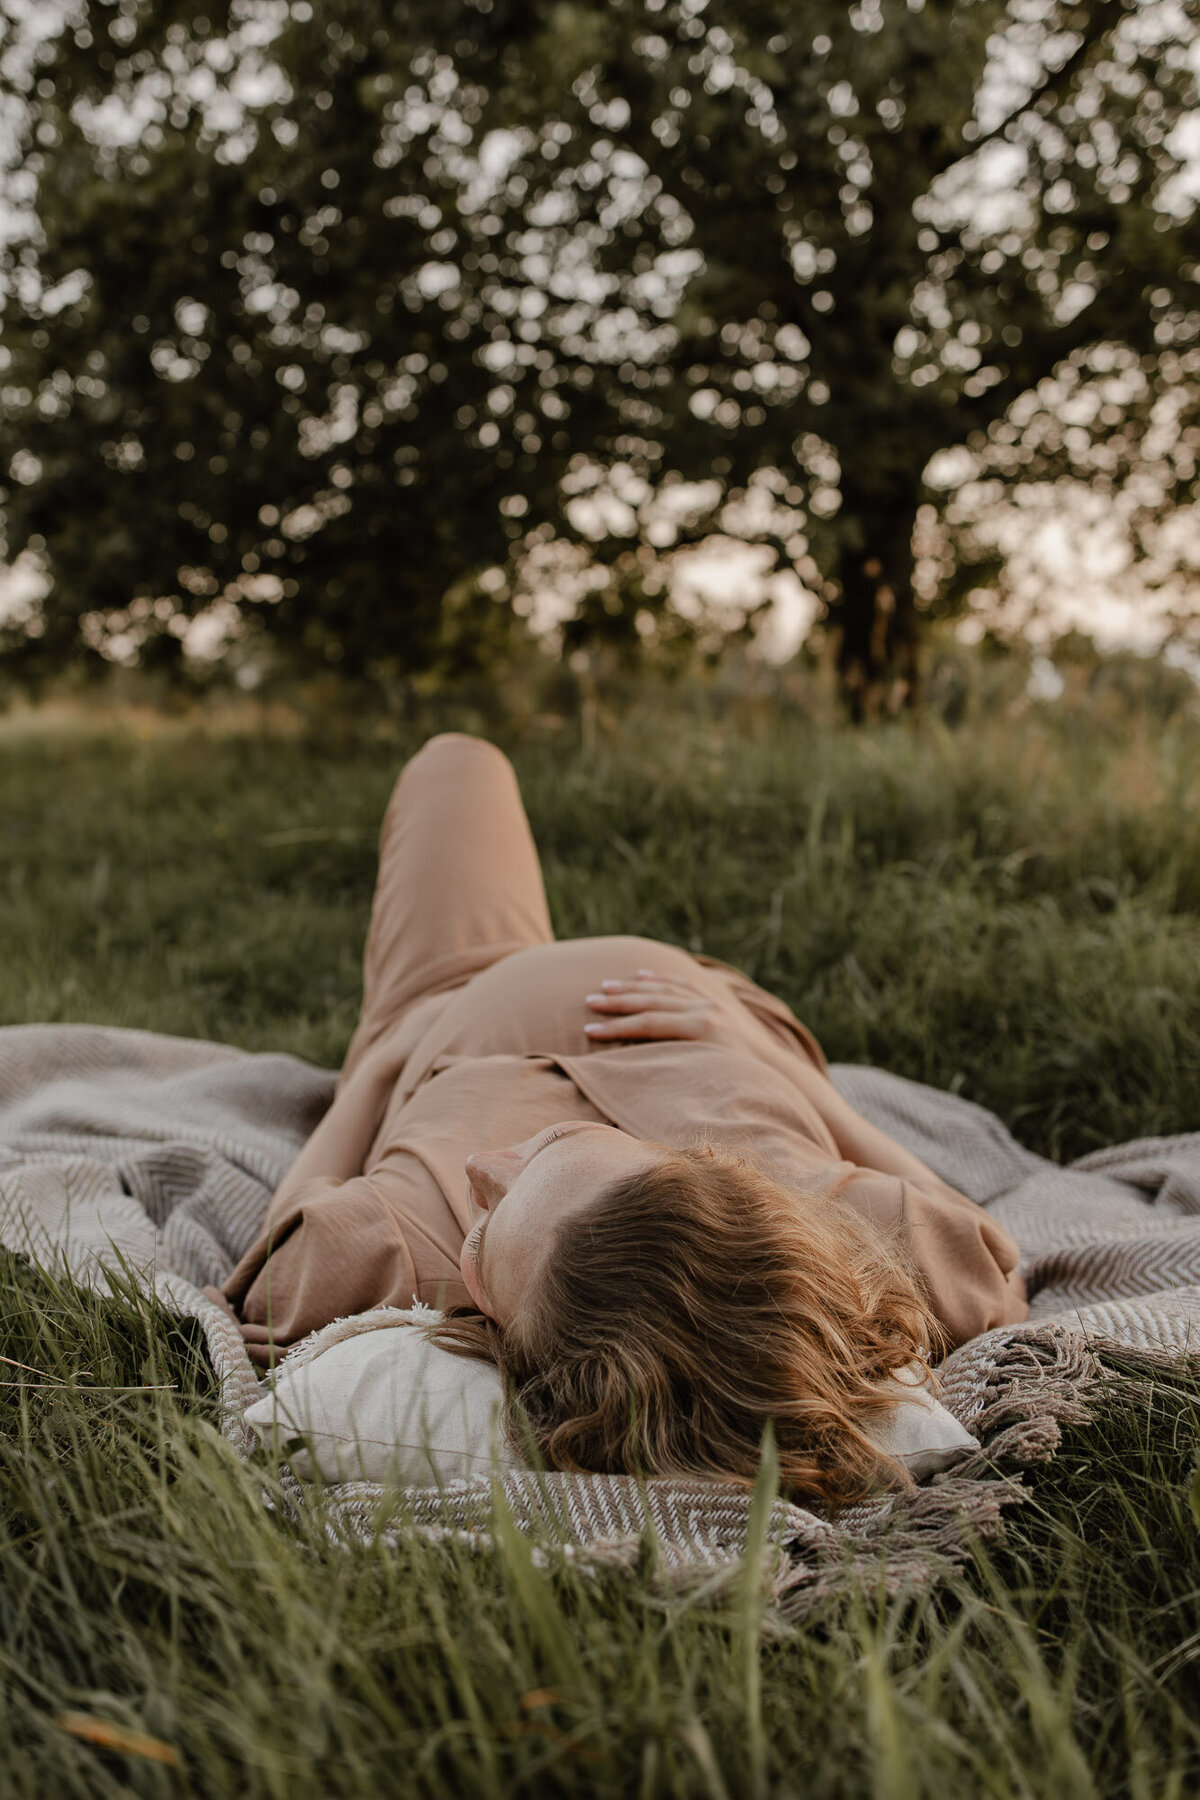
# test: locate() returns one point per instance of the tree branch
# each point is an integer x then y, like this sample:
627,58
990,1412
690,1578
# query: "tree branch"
1055,82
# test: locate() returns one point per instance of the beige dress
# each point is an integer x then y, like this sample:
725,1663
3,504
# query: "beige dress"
472,1038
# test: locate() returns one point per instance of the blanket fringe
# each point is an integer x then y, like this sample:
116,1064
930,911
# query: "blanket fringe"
690,1537
1015,1389
1038,1380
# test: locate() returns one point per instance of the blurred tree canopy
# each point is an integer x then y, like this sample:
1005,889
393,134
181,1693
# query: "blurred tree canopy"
348,325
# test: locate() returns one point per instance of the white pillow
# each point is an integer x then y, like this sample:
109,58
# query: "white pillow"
385,1403
919,1431
376,1400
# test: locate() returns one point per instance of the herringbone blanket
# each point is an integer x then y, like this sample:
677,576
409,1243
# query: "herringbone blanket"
162,1153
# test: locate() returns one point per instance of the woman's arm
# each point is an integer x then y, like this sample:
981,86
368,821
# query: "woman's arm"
649,1007
716,1006
338,1247
966,1261
338,1148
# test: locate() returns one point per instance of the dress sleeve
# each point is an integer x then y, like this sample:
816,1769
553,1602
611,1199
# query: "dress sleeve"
385,1238
336,1249
340,1238
965,1260
338,1147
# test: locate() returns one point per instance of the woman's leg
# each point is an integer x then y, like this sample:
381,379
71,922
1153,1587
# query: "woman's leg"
459,887
459,883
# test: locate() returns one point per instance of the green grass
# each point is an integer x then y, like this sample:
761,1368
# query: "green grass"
1010,910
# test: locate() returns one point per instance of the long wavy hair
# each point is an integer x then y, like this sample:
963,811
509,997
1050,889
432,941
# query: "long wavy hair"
691,1304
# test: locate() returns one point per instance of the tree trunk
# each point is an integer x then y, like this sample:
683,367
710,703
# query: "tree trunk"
877,661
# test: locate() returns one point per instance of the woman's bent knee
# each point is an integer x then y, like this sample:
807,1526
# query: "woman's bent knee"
442,740
447,766
450,748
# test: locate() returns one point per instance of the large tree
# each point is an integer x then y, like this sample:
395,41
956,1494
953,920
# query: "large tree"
916,226
325,358
273,355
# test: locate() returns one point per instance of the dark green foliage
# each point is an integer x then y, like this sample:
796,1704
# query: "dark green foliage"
342,358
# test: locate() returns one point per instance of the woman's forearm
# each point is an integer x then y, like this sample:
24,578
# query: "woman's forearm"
338,1147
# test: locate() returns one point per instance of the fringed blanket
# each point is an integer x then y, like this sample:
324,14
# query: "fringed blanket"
161,1153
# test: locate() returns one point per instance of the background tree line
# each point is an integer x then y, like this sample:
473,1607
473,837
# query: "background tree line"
343,327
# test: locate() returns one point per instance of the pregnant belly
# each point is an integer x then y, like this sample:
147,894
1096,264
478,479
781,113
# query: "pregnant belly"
534,1001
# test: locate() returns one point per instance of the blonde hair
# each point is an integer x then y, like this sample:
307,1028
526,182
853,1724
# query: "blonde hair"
691,1304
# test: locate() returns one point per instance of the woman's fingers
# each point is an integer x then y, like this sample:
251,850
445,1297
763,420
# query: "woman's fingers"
646,1025
650,1006
646,981
635,1000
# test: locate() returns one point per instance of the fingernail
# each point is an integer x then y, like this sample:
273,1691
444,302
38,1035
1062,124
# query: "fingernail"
593,998
612,984
595,1027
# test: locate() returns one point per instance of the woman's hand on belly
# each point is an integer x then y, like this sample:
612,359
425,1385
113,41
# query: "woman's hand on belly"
648,1006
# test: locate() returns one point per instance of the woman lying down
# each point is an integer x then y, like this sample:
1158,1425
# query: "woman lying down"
621,1168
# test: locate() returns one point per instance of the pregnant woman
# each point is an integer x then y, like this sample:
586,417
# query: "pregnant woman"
623,1168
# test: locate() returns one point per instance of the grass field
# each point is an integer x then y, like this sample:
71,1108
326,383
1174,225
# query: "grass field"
1009,909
